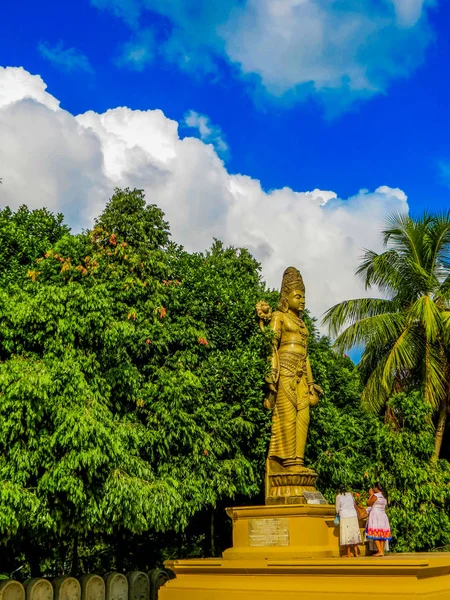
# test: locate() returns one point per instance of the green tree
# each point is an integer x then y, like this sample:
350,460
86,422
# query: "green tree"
418,488
74,448
405,335
130,384
340,427
25,235
129,217
131,405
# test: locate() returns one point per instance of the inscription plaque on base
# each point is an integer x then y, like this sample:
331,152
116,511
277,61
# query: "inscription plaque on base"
314,498
268,532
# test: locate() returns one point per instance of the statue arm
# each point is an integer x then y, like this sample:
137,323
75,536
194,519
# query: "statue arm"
315,391
275,326
309,375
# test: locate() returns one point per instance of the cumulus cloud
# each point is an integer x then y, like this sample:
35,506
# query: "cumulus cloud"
17,84
67,59
71,163
292,48
46,157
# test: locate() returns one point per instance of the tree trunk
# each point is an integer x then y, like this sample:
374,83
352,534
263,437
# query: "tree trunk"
34,561
74,568
120,551
212,534
440,428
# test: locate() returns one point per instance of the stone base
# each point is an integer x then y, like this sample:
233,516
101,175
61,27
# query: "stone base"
396,577
286,484
283,532
292,552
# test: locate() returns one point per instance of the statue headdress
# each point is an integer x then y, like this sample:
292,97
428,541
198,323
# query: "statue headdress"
292,280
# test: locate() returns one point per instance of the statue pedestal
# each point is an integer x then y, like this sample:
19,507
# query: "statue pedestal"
286,531
292,552
285,485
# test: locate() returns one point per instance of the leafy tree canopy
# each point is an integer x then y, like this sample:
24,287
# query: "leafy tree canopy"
24,236
131,399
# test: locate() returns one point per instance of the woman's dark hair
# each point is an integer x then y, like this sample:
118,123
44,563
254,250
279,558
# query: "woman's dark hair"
378,485
342,489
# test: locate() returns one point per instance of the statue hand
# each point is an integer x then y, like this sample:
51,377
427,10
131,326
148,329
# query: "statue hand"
271,379
315,391
313,399
270,399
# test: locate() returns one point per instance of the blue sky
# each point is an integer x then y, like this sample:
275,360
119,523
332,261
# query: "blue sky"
332,95
399,137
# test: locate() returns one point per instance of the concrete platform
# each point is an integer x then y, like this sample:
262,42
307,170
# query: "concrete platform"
398,576
292,552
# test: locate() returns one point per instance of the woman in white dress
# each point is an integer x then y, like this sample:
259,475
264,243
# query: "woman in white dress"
349,532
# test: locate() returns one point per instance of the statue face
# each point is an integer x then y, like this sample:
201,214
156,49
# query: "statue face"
296,301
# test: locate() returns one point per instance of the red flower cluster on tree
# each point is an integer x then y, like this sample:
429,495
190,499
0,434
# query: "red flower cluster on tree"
202,341
162,312
169,281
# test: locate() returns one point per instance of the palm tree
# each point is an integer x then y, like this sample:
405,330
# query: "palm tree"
406,334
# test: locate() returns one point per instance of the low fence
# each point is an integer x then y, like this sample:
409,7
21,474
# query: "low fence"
113,586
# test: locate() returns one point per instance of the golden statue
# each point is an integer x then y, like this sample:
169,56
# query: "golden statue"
291,393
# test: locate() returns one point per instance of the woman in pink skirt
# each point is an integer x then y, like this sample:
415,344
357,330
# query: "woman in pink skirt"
378,528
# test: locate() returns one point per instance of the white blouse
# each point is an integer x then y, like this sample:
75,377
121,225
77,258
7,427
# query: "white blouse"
345,506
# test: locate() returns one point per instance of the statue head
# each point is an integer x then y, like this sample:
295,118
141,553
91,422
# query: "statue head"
292,291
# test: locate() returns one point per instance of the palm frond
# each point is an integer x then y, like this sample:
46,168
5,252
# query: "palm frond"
435,370
438,238
349,311
445,330
381,270
420,279
428,316
372,354
375,395
381,330
407,235
404,356
442,295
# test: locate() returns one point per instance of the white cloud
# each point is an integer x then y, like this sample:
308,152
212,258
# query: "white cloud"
17,84
51,158
46,157
292,48
408,12
209,133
